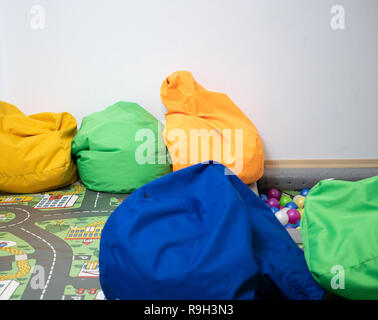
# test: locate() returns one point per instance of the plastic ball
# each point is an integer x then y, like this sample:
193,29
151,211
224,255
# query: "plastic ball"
274,209
291,205
282,217
285,210
284,200
273,202
305,192
263,197
296,197
290,226
274,193
299,201
294,216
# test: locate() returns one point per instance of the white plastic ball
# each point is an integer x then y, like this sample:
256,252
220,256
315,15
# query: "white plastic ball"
284,210
282,216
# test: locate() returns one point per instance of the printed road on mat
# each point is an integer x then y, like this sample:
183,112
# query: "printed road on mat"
49,243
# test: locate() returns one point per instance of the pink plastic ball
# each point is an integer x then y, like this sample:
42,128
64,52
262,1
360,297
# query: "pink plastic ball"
273,202
274,193
294,216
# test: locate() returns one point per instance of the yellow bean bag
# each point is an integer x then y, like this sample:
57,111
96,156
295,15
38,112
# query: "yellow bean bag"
35,150
202,125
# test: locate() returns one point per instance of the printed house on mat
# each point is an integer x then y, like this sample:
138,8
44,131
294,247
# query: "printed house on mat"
90,232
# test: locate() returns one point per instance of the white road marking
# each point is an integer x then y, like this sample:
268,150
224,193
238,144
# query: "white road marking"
75,212
52,265
15,224
95,204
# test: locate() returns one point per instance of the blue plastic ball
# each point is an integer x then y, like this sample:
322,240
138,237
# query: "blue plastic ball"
291,205
274,209
264,197
289,225
305,192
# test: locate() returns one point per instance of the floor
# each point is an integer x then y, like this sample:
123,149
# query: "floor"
49,243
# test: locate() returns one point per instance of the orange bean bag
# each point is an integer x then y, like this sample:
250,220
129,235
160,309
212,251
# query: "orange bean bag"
202,125
35,150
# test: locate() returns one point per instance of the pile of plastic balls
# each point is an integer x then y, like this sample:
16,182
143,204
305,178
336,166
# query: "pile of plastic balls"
288,210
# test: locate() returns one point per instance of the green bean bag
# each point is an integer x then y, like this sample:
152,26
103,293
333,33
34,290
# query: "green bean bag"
120,149
339,229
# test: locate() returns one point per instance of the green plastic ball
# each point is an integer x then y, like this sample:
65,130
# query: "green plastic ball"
284,200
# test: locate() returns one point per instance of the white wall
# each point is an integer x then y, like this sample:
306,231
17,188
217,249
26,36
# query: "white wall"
311,91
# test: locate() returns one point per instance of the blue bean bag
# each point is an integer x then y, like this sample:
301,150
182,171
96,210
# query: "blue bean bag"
198,233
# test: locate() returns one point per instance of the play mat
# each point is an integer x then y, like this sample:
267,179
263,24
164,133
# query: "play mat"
49,243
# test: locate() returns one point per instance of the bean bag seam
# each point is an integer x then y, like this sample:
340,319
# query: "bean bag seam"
40,172
351,267
291,279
